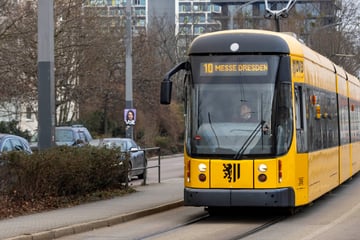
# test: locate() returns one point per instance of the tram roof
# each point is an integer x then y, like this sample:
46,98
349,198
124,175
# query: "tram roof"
253,42
353,79
250,41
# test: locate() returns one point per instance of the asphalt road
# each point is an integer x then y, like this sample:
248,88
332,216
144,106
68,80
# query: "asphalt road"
335,216
332,217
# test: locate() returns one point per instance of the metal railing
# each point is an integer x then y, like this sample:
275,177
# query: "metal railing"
146,167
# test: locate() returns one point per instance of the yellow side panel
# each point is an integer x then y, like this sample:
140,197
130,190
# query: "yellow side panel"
342,86
345,162
323,172
231,174
355,154
301,179
319,76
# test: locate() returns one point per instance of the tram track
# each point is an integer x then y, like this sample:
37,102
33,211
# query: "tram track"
227,226
259,228
192,221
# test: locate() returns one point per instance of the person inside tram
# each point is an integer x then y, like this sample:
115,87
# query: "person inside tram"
245,114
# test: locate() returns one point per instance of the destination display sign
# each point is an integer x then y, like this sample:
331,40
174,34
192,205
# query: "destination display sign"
234,69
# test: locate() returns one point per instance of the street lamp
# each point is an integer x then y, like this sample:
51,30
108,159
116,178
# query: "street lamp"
46,85
128,65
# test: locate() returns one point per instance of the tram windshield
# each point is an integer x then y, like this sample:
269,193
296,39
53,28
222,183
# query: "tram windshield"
230,106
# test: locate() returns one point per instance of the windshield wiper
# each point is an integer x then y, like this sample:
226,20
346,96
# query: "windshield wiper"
249,140
212,128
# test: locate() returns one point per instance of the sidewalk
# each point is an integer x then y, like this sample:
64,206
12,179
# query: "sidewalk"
148,199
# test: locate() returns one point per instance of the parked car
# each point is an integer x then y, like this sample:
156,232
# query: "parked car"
138,161
9,142
75,135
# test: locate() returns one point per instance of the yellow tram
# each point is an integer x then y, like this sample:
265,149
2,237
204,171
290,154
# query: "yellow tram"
301,134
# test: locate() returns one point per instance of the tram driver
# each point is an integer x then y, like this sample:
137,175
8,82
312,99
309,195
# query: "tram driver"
244,114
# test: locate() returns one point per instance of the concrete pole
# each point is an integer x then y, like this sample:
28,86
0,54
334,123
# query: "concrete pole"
128,66
46,89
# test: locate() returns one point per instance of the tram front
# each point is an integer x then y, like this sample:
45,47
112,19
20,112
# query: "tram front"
238,121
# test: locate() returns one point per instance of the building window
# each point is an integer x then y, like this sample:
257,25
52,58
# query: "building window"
187,19
184,8
139,2
216,8
199,30
28,113
97,2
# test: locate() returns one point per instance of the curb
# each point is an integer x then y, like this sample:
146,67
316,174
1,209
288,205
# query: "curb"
88,226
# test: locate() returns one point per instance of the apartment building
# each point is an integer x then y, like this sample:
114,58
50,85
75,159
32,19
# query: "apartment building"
142,11
194,17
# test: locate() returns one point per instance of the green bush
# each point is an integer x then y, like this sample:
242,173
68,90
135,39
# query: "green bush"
168,146
61,171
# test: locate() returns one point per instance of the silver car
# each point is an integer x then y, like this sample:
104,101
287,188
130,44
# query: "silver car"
138,161
9,142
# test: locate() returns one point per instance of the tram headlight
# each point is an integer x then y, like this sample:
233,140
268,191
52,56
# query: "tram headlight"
262,168
202,167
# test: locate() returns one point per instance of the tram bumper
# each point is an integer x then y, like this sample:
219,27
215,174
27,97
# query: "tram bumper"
280,197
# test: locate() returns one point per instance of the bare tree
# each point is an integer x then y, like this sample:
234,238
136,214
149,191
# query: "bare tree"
155,52
18,56
340,40
89,63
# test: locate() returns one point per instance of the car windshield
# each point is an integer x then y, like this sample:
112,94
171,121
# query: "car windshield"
64,135
116,144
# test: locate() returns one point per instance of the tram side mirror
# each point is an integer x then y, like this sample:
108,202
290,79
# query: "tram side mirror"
165,94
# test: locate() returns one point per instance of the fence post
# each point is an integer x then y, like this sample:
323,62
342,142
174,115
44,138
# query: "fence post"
146,167
158,165
145,170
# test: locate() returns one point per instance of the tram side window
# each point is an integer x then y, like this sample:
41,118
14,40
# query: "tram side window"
314,125
301,133
344,120
355,121
323,129
332,121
